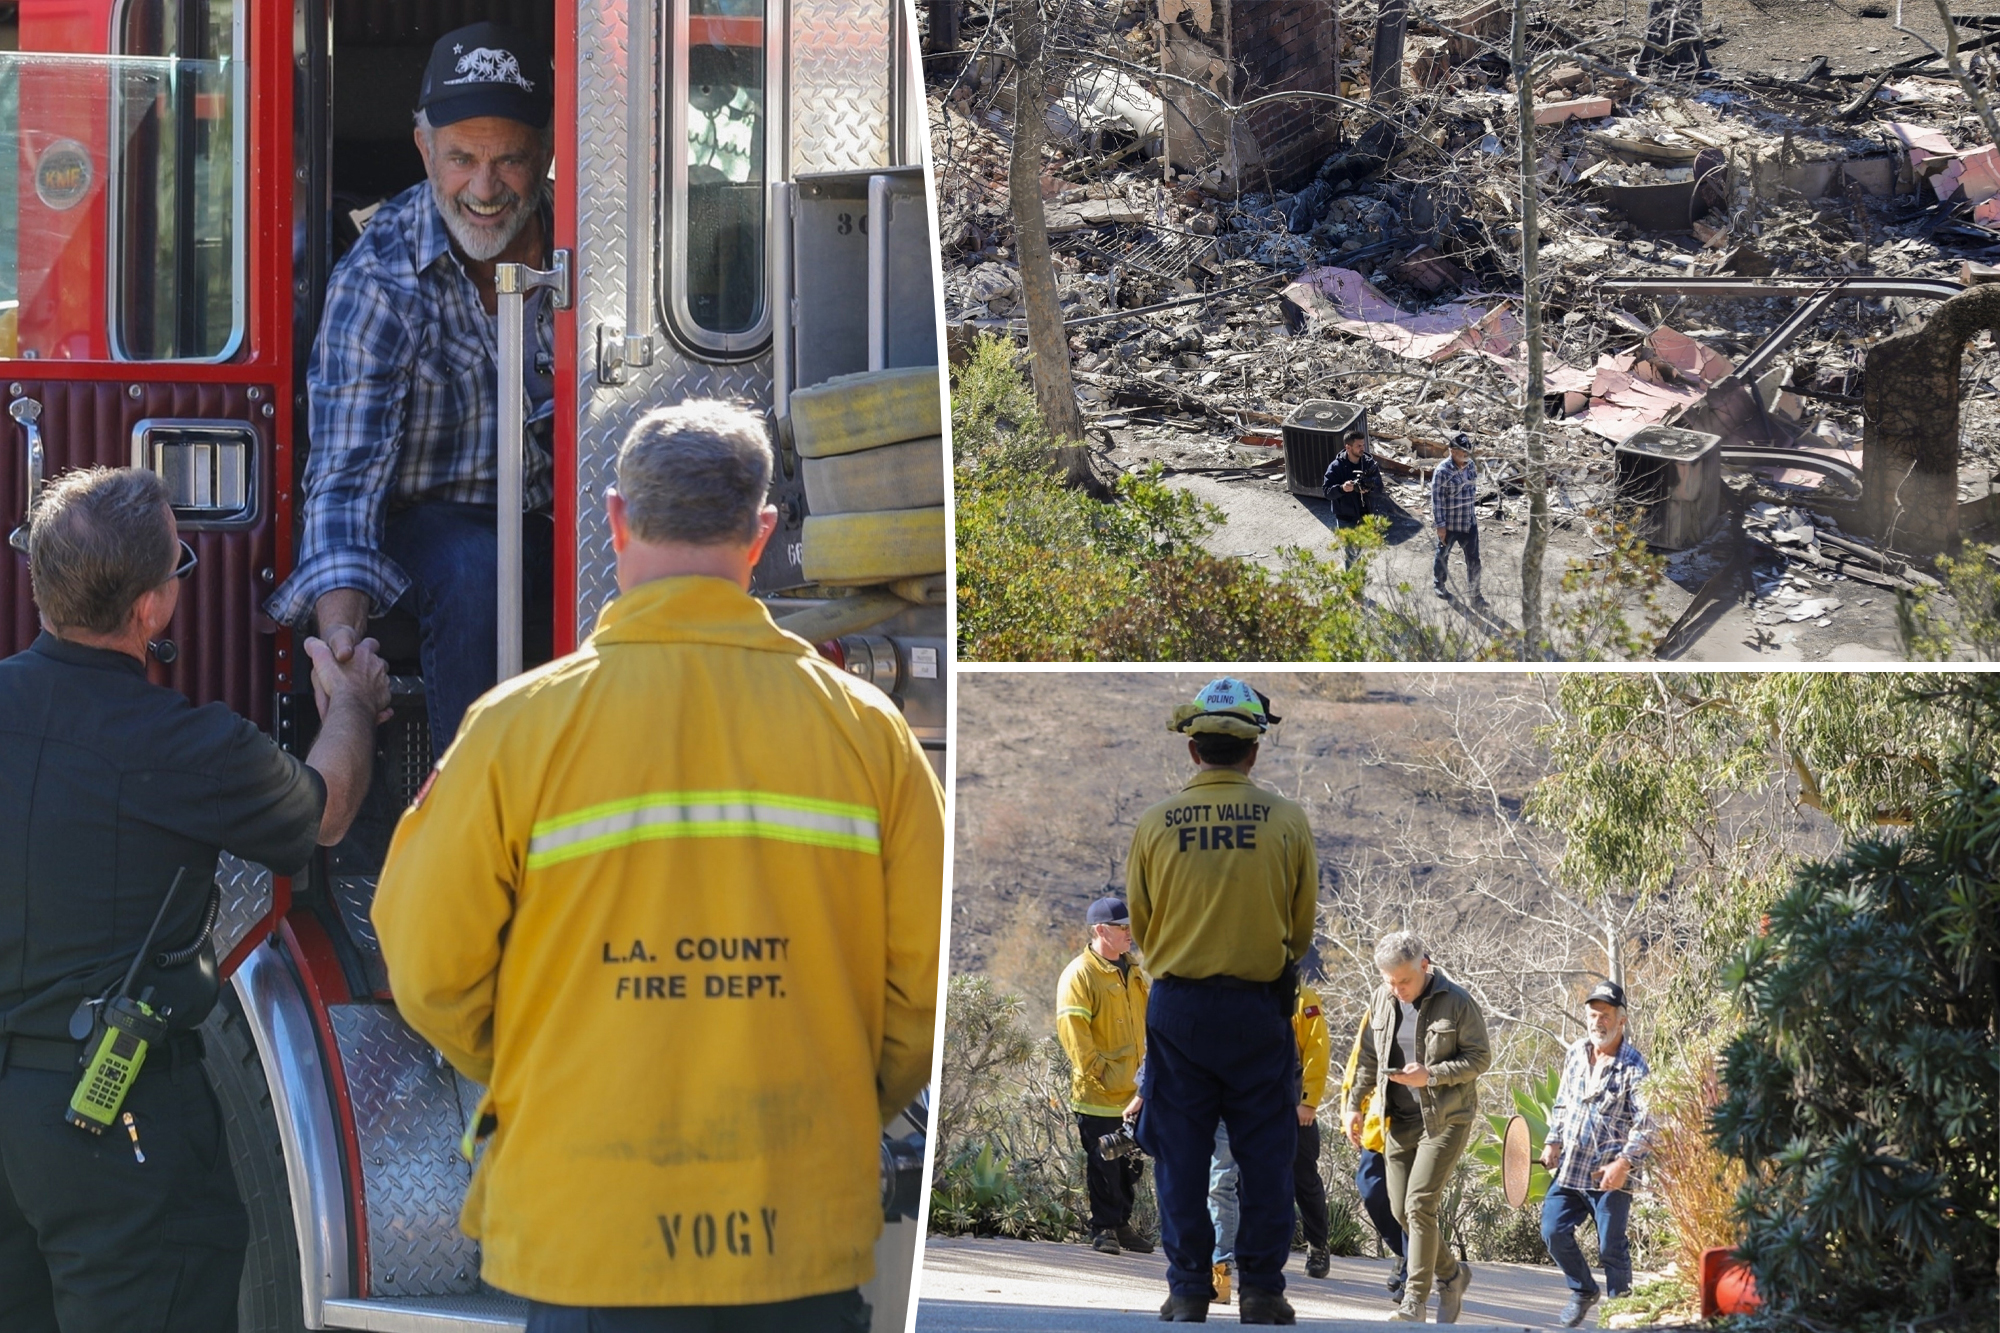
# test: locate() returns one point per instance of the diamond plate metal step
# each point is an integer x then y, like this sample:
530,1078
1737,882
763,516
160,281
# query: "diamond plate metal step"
485,1313
353,895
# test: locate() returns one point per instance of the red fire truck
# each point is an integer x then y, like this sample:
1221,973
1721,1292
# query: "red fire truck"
740,212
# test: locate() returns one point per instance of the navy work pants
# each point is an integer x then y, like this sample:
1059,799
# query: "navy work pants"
1564,1211
1220,1053
92,1240
452,554
836,1312
1371,1178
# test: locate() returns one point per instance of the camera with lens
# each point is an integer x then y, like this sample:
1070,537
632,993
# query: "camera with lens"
1118,1143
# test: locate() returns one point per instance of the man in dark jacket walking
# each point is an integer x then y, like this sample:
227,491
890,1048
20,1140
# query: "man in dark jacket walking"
1353,479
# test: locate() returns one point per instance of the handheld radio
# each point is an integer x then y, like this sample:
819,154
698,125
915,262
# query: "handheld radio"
130,1027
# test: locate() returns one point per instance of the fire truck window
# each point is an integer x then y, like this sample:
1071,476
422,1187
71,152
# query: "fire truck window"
716,198
175,222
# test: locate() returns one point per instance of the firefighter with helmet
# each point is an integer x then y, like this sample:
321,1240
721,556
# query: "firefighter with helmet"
675,900
1222,882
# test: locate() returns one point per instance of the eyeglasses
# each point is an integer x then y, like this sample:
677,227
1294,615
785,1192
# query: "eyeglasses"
187,562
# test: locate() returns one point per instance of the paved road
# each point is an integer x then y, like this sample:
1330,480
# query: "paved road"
1262,517
1009,1286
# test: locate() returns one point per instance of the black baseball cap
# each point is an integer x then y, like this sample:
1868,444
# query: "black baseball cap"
1606,992
488,69
1107,912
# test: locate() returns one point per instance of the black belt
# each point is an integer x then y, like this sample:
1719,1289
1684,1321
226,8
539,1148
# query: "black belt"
66,1057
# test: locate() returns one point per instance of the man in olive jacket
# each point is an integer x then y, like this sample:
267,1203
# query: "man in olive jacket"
1424,1052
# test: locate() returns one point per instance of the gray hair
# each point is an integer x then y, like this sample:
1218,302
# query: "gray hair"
1399,948
696,473
98,539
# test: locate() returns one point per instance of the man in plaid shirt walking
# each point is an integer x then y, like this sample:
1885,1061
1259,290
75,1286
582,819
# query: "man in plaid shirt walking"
1454,487
1599,1130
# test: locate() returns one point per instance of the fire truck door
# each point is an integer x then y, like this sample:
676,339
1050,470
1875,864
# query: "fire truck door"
145,303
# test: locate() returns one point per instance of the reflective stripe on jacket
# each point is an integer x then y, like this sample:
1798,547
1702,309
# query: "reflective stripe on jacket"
1101,1023
675,898
1309,1027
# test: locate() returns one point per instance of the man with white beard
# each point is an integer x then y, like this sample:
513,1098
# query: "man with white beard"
1600,1129
401,480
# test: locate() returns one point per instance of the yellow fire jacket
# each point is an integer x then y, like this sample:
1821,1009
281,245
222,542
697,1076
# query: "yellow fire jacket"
675,898
1101,1023
1222,881
1371,1119
1315,1047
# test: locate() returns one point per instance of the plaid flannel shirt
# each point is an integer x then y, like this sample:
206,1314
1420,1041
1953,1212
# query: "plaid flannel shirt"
1453,490
404,395
1600,1113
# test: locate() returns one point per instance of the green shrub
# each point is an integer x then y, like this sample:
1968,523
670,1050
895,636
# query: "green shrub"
1962,619
1046,573
1860,1094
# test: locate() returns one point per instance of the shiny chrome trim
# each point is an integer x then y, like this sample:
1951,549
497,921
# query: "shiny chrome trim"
878,272
430,1314
707,344
144,457
641,163
513,282
784,200
281,1022
28,411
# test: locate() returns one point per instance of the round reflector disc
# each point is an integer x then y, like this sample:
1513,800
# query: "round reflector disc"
1514,1162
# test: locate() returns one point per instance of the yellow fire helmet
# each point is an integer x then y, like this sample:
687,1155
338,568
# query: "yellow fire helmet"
1228,706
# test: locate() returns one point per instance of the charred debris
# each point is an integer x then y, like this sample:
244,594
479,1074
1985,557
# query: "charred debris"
1252,205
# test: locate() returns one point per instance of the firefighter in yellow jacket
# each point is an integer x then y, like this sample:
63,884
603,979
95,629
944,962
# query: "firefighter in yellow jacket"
1308,1190
675,900
1371,1177
1101,1023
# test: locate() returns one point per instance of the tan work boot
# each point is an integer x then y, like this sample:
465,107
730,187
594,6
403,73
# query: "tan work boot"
1452,1294
1219,1276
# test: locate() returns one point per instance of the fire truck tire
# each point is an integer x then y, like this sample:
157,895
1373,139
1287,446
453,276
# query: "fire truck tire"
909,475
849,413
874,547
270,1300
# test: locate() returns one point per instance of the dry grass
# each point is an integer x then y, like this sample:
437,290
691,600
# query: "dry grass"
1695,1182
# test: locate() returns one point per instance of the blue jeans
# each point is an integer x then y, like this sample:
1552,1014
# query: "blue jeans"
1469,543
1222,1208
836,1312
1371,1177
1218,1053
452,555
1564,1211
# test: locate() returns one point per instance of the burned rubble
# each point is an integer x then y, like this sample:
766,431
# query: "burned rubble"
1684,217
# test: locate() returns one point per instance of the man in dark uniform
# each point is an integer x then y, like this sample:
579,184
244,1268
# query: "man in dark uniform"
111,786
1353,478
1222,883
